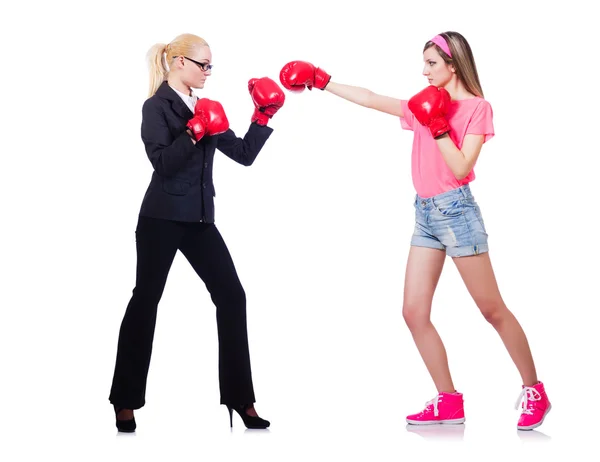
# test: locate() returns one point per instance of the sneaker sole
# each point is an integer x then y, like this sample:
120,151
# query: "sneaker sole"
436,422
531,427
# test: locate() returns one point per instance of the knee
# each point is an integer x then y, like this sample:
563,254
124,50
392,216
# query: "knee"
231,308
145,295
493,311
238,296
233,296
415,315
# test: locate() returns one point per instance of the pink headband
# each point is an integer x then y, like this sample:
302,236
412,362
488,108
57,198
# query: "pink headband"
441,42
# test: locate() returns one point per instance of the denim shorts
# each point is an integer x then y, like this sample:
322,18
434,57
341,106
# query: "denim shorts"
450,221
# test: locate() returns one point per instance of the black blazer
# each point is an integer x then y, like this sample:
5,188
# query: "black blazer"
182,187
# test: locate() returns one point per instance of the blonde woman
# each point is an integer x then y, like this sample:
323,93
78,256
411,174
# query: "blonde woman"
181,134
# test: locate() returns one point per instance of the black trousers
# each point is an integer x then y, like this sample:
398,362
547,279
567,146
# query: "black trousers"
157,241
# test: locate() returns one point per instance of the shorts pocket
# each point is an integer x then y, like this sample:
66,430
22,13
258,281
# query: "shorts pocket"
449,207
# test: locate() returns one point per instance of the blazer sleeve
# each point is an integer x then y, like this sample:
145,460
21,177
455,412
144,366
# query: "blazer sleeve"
244,150
166,153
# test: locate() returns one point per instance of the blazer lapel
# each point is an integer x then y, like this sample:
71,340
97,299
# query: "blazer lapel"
165,91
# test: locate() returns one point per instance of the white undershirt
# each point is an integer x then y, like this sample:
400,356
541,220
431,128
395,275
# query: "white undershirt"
190,101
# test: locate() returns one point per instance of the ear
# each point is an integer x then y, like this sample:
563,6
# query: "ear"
452,69
178,62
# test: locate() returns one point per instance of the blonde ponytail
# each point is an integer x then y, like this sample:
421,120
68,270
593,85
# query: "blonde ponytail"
157,67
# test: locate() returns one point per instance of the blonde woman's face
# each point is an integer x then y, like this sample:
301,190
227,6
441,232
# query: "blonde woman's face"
195,68
436,70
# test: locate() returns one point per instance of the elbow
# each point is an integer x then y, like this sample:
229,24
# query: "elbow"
158,168
461,174
368,100
163,170
248,156
462,171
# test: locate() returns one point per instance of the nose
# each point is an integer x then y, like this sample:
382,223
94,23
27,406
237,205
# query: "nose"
425,71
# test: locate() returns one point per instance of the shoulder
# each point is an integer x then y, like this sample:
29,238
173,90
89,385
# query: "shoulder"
475,101
153,102
481,104
153,105
473,107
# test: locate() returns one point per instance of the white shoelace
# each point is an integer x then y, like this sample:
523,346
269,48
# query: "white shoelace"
434,401
527,396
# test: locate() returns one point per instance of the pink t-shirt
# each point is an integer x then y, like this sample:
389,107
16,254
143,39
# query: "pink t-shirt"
430,173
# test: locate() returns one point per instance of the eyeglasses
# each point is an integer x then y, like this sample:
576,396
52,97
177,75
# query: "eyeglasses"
204,66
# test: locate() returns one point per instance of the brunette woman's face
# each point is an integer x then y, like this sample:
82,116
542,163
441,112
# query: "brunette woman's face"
436,70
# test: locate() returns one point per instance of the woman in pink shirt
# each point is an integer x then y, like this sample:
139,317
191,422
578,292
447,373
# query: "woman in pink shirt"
451,121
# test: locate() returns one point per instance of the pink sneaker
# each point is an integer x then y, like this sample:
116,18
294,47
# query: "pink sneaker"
534,406
445,408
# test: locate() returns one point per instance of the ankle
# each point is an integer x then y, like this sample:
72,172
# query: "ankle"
124,414
249,409
531,383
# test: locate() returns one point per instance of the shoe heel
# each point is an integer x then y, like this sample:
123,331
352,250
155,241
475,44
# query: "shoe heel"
230,417
249,421
125,426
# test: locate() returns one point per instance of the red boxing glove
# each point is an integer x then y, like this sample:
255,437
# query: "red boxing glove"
209,119
297,75
267,96
430,107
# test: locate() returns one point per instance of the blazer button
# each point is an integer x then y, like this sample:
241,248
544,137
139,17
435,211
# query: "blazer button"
204,185
205,164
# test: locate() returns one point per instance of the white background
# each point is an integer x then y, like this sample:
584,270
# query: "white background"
319,229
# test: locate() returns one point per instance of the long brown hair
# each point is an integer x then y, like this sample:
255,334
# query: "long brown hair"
462,60
161,54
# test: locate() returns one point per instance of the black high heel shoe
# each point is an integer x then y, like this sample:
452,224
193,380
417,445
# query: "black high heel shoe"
249,420
125,426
